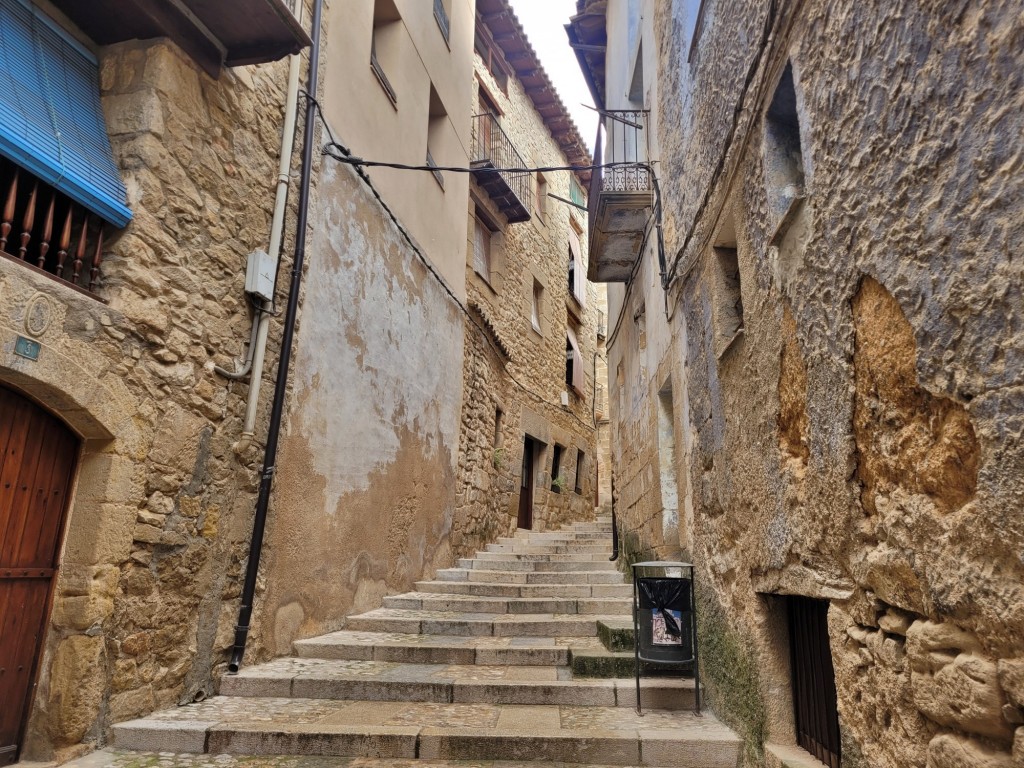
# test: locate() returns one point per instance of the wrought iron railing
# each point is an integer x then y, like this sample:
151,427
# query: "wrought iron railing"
441,15
46,230
626,142
492,146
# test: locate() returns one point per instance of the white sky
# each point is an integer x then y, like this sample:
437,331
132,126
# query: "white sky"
544,22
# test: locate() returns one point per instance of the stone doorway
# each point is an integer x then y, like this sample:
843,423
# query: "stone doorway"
527,483
38,455
814,682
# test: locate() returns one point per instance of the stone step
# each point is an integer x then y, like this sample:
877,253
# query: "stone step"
426,601
447,684
510,563
543,557
475,624
428,731
550,549
487,589
530,577
444,649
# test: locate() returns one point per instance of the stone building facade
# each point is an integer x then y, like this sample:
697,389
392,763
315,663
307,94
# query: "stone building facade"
841,217
380,444
519,406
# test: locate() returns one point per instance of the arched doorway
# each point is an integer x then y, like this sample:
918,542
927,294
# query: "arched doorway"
37,463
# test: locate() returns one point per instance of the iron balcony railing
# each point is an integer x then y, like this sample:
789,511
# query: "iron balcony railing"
626,141
492,149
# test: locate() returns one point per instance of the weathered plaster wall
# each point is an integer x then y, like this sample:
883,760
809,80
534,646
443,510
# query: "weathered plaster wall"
366,482
861,441
145,599
528,386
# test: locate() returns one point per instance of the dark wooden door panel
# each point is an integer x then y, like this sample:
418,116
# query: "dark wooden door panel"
814,684
37,461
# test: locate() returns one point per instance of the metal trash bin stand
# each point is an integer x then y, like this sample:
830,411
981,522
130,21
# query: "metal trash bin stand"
664,620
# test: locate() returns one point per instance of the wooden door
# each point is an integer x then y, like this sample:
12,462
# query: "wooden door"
814,681
37,461
526,486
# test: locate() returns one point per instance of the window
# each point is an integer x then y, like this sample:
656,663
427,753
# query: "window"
499,418
576,192
577,272
541,197
492,59
574,374
441,17
728,299
694,10
783,152
384,44
482,245
535,312
556,468
437,124
578,487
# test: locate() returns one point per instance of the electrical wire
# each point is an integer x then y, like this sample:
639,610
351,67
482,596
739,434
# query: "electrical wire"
358,165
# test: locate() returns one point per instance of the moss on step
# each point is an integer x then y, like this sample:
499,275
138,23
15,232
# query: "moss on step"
615,636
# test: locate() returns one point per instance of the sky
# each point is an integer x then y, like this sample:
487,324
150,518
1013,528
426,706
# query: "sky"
544,22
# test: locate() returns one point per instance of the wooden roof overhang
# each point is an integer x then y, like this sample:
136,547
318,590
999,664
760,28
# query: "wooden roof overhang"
215,33
588,37
509,36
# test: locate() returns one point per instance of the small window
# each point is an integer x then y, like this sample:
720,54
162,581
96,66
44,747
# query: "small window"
441,8
437,124
535,308
541,197
576,192
620,384
783,150
577,272
482,245
578,487
574,373
728,299
385,43
488,51
499,420
557,481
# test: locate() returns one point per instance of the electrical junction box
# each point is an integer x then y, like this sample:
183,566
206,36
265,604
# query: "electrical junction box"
259,275
565,399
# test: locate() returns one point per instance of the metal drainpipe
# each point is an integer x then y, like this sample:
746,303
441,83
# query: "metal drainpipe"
261,323
277,408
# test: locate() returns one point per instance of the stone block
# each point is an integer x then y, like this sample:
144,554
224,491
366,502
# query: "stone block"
1018,748
81,612
135,112
101,534
77,681
162,736
951,751
1011,678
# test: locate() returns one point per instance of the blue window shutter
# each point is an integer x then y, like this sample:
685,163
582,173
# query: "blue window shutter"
51,122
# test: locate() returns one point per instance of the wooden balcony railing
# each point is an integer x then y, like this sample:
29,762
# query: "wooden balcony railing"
47,231
495,159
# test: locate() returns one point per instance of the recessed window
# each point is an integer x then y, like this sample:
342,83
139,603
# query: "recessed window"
483,245
557,481
441,16
574,373
728,298
437,125
576,192
541,197
577,271
491,57
783,150
578,487
499,421
384,45
535,307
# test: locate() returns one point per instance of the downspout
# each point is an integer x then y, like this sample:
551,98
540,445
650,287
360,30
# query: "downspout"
287,337
261,324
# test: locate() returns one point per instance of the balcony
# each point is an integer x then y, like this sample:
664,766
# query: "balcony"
214,34
621,197
494,162
47,232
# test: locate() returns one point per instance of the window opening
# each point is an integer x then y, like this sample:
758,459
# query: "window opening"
784,164
384,44
499,417
578,487
491,57
577,273
556,466
574,374
541,196
437,122
729,299
535,305
441,17
482,245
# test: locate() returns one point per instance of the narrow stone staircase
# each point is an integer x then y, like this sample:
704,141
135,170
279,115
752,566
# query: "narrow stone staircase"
477,664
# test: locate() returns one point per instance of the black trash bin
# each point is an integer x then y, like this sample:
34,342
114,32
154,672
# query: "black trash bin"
664,626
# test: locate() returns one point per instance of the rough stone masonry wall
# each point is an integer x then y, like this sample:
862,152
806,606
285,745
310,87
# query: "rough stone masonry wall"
861,442
489,474
146,595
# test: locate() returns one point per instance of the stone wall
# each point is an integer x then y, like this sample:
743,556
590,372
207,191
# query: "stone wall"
859,442
146,596
515,368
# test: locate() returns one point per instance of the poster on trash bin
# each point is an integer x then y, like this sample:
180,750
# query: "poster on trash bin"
661,633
